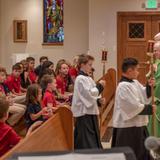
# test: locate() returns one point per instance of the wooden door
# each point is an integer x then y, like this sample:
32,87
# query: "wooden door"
134,31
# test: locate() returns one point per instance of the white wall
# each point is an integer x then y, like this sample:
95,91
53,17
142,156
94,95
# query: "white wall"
76,19
103,18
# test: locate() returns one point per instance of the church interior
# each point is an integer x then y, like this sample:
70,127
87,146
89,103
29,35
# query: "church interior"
79,77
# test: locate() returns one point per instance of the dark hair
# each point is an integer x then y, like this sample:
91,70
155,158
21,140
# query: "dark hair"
84,58
59,64
45,68
4,106
17,66
32,93
28,59
129,63
42,58
46,79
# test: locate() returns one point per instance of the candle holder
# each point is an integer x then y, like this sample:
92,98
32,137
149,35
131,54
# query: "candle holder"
104,60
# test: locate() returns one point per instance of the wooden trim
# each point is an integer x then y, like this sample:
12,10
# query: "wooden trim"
135,13
120,15
136,39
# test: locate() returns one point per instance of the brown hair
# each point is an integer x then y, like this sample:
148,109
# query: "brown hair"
42,58
59,64
32,93
84,58
2,69
46,79
4,106
28,59
16,67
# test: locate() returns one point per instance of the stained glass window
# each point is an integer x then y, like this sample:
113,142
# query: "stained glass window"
53,22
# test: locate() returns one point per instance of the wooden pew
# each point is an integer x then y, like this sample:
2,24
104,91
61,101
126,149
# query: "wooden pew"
56,134
109,94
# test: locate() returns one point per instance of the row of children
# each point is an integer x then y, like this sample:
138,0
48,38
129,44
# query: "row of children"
44,91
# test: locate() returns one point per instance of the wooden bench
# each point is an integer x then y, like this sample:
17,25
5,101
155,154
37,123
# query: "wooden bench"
109,94
56,134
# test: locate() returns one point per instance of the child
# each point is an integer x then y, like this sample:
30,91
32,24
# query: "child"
31,73
34,111
13,82
38,68
24,75
131,110
63,78
73,70
49,101
47,68
85,106
16,110
8,137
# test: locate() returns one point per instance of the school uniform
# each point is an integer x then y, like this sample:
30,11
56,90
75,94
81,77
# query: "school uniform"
8,138
130,116
86,111
32,109
13,83
16,110
61,84
49,98
32,76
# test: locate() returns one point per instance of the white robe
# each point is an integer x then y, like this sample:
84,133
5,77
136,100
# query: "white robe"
85,97
130,100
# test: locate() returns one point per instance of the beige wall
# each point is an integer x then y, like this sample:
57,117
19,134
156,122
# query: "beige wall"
102,18
76,18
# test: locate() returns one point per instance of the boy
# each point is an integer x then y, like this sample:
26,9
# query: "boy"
131,110
85,106
39,67
16,110
8,137
49,83
31,73
13,82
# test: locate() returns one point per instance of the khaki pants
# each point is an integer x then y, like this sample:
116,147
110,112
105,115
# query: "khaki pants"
17,111
20,99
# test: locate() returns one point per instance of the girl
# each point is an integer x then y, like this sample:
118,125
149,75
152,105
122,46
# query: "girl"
34,111
47,68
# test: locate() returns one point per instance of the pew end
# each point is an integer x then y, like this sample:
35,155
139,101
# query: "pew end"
56,134
106,111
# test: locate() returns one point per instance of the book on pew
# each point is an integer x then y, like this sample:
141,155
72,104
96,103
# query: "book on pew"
109,154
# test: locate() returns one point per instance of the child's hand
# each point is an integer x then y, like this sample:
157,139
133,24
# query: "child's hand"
151,82
102,101
54,109
102,82
44,111
10,100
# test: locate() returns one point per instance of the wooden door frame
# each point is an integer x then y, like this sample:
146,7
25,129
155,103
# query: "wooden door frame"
120,15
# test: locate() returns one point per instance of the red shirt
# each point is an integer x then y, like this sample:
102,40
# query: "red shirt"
61,84
73,72
8,138
48,98
32,76
14,83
